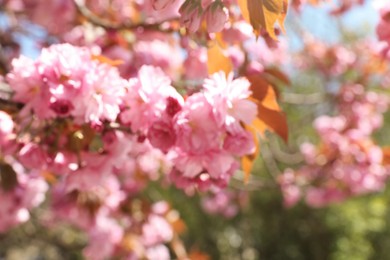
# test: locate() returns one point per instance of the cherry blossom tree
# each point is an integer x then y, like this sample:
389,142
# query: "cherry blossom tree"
125,106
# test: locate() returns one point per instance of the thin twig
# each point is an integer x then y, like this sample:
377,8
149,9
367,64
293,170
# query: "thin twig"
98,21
270,161
303,99
283,156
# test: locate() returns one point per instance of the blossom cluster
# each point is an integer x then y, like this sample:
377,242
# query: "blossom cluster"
100,117
331,60
97,139
347,162
20,192
66,81
226,203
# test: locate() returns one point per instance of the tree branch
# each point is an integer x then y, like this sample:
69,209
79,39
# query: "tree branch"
109,25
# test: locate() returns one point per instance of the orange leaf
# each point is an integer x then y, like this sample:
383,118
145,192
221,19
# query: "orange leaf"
275,121
283,15
269,100
278,74
263,14
244,9
217,60
104,59
197,255
49,176
248,160
386,155
314,2
263,92
178,226
260,126
269,113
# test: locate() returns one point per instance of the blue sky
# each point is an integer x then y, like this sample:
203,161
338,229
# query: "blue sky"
318,22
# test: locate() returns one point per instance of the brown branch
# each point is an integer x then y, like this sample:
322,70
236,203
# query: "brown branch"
283,156
6,104
303,99
10,106
270,161
255,183
109,25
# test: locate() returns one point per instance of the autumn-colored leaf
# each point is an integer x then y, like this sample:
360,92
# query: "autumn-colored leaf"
244,9
386,155
318,2
263,92
248,160
375,64
314,2
217,60
264,14
275,121
104,59
49,176
178,226
269,113
197,255
270,116
275,73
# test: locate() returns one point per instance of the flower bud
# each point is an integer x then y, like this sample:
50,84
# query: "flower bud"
191,14
216,16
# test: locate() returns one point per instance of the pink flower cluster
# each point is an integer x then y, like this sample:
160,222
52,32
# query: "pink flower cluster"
19,197
67,81
347,162
206,133
44,13
98,139
331,60
226,203
202,135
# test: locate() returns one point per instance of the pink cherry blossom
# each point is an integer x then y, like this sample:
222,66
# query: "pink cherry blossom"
230,99
195,65
161,10
239,143
146,98
28,192
65,80
32,156
103,239
348,162
223,202
162,135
